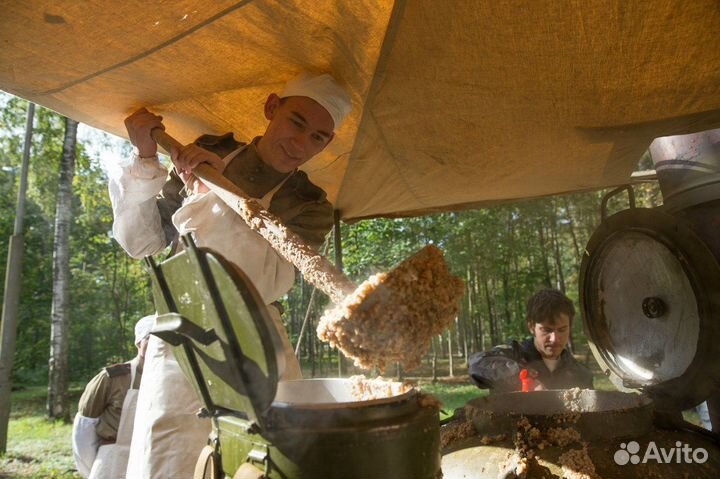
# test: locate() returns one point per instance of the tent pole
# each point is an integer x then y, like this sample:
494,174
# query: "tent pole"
13,278
337,237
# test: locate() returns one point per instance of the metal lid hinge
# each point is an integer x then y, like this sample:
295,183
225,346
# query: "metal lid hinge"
260,455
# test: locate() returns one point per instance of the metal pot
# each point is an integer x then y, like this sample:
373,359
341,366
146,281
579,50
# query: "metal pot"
315,429
538,435
228,348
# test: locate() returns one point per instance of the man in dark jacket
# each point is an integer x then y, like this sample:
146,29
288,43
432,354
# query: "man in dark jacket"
545,356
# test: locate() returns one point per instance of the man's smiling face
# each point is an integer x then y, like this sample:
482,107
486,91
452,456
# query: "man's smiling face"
299,129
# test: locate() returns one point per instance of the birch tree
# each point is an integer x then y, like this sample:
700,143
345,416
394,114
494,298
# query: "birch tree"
59,315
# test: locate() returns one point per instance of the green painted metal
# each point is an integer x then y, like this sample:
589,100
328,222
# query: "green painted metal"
238,371
404,447
223,340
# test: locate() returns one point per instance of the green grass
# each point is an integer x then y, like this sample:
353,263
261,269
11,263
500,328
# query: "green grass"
38,448
452,394
603,383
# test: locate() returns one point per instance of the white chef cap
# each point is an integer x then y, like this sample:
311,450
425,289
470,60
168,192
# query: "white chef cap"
143,328
324,90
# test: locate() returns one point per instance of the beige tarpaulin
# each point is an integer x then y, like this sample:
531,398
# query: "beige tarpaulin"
456,103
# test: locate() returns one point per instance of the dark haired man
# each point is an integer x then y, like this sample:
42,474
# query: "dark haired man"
545,356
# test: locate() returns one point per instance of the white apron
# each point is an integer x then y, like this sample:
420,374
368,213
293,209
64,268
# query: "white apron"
85,442
168,436
111,460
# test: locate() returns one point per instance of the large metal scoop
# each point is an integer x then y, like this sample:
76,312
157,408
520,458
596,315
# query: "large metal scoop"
391,317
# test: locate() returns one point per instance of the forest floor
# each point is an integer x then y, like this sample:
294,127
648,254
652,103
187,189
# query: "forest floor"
37,447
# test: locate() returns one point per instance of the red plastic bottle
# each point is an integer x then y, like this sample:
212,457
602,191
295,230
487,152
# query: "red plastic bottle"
526,381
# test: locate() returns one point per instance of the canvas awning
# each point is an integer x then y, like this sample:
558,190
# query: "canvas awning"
456,104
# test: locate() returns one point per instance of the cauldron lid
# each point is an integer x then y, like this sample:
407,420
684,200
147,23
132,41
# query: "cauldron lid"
220,331
650,298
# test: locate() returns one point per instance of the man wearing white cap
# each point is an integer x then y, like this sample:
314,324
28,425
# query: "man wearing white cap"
106,412
151,210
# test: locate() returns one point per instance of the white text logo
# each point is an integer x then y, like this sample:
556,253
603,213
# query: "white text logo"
680,454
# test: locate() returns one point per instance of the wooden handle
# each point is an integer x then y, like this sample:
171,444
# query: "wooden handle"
210,176
314,267
167,142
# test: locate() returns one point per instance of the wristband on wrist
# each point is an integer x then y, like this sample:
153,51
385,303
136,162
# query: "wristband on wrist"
143,158
136,154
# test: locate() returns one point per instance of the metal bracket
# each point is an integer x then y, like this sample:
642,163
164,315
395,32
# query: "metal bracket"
606,198
173,328
260,454
250,427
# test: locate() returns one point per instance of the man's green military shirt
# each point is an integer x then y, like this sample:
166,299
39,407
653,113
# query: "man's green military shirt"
104,396
301,205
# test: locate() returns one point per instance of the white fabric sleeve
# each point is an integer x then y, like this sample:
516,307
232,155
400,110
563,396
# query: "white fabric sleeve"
85,443
136,218
217,227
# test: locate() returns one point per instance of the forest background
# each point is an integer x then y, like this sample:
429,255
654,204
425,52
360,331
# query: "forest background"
504,253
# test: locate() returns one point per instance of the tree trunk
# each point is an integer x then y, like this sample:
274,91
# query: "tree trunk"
60,311
517,289
480,335
491,313
514,250
573,235
13,282
506,296
463,331
434,360
321,358
557,255
470,313
451,365
120,292
310,344
543,254
301,302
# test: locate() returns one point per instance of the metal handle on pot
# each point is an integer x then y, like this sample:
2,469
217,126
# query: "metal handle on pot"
667,420
258,455
606,198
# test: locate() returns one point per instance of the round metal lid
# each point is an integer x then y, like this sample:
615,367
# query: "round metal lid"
649,291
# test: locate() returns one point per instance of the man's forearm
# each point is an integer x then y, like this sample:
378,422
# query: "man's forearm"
137,228
495,369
